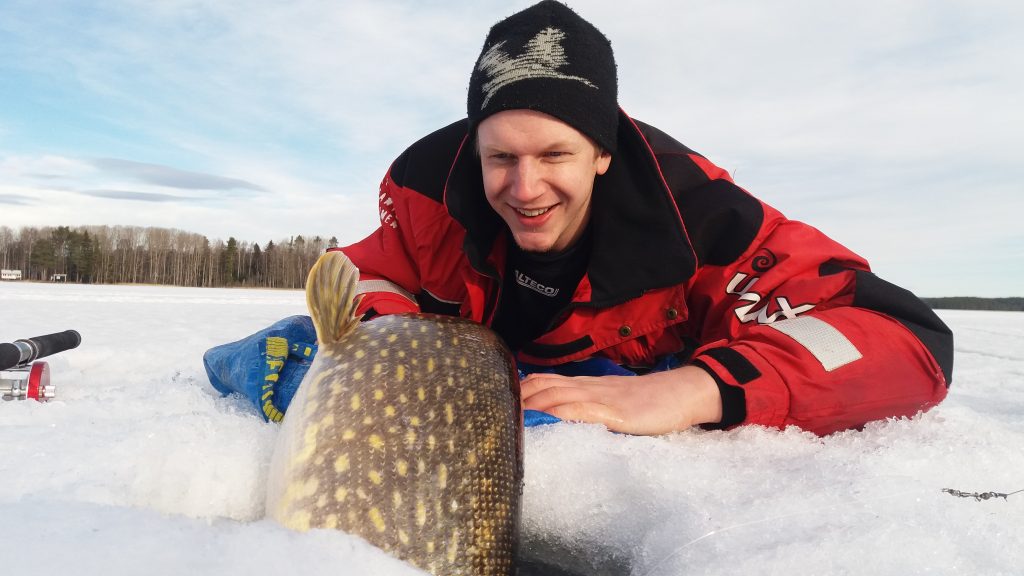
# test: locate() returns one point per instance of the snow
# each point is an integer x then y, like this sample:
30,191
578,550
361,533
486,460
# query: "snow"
139,466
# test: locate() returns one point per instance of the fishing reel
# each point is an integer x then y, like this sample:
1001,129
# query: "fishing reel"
21,376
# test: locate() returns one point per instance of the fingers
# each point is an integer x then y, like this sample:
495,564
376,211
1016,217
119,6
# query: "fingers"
535,383
552,395
591,412
577,399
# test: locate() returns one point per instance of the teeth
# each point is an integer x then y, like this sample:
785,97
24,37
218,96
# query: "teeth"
531,213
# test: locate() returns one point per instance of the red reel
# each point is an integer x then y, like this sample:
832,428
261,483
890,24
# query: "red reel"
39,382
31,382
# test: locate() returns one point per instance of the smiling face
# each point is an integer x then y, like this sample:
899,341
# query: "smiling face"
539,176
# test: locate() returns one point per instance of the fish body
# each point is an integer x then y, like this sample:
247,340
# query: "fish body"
406,431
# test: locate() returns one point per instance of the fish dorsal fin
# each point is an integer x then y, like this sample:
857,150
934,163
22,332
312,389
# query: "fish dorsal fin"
331,296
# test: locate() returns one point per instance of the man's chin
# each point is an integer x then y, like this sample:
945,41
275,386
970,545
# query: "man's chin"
533,245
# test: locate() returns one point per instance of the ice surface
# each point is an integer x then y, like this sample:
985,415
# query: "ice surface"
140,467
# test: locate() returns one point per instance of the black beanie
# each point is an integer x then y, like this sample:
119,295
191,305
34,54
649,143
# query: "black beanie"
547,58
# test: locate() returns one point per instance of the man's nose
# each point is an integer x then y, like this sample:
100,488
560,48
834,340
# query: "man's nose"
525,180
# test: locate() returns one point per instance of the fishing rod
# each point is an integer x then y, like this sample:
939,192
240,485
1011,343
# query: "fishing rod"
22,377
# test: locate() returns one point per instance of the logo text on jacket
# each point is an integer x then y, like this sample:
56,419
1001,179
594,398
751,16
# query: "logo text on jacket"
747,313
527,282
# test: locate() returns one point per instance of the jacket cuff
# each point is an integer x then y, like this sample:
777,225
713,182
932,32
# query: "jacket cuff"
752,391
731,372
734,402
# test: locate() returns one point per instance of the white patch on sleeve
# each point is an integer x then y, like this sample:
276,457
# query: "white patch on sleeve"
365,286
824,341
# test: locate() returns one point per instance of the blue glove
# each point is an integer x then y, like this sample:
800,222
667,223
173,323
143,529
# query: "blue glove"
594,366
266,367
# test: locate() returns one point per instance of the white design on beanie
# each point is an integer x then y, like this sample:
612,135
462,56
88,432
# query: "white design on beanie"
543,56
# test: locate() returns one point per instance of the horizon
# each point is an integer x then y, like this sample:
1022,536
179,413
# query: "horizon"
888,127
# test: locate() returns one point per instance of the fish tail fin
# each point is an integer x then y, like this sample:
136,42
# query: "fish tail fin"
331,296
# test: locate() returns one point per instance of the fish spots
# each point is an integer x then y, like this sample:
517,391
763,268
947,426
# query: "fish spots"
414,344
471,458
453,547
414,421
403,398
356,402
377,519
384,353
378,394
421,513
342,463
455,341
375,477
392,338
309,444
403,537
402,467
348,434
421,393
431,442
430,546
396,499
326,422
410,437
389,410
360,353
430,364
449,413
442,476
299,520
400,372
376,442
470,397
340,494
377,369
421,466
331,522
463,363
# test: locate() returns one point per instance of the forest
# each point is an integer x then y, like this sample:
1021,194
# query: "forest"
148,255
138,255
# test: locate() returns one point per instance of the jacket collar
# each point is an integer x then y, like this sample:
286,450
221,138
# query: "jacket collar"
639,240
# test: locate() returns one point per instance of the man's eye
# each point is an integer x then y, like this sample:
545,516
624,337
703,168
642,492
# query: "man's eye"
555,154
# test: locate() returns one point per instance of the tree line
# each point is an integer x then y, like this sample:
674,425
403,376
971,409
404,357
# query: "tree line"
148,255
972,303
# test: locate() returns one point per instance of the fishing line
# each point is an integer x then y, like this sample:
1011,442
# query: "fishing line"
977,496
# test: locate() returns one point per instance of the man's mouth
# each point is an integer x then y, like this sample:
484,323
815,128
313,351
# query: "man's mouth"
532,213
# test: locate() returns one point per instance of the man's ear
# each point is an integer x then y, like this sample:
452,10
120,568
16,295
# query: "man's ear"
604,160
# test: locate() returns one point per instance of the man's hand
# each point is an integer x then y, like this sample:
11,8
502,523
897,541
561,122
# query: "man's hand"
655,403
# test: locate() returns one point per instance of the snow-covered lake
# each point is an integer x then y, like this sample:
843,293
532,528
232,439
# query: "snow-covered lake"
139,467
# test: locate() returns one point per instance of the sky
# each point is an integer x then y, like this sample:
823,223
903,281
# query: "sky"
894,127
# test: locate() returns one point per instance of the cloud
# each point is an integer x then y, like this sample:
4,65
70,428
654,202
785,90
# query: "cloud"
17,200
140,196
874,121
172,177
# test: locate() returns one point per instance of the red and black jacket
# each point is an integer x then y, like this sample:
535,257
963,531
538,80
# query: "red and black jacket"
794,327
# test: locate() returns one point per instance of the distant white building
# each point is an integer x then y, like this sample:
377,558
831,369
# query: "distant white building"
10,274
59,278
